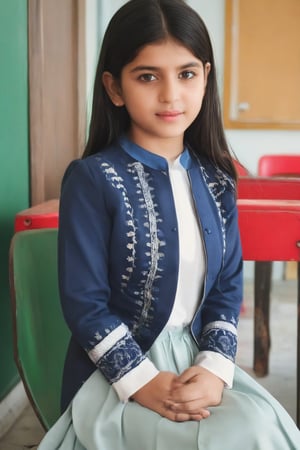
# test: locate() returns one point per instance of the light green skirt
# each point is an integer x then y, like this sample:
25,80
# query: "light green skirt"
249,418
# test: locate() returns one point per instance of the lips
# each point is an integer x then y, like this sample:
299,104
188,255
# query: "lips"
169,116
169,113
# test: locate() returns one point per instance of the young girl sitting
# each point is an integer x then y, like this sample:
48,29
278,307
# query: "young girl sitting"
150,262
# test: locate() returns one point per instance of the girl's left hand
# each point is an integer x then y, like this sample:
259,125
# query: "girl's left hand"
196,388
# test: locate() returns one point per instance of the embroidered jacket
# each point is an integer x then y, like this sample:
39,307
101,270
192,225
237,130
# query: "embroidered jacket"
119,255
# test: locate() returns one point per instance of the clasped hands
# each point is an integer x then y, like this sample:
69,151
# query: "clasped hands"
182,397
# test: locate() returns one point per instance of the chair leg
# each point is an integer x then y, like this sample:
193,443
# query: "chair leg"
262,340
298,347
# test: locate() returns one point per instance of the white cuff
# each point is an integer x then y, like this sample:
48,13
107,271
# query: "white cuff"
217,364
135,379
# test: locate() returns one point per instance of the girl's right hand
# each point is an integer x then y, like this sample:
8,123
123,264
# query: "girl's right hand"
156,395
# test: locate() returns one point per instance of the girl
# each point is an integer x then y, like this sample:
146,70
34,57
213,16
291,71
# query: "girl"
150,263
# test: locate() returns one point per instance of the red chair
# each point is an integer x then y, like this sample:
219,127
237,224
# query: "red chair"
279,166
44,215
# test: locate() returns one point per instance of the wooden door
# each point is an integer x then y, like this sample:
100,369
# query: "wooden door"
262,64
56,91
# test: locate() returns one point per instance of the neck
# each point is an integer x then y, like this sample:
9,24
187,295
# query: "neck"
169,148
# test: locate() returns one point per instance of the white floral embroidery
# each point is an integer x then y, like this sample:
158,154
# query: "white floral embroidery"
151,216
118,183
144,296
221,337
107,343
221,325
217,186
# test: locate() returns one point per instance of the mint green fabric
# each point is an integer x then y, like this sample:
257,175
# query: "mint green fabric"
249,418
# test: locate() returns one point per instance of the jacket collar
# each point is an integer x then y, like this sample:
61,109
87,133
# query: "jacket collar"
151,159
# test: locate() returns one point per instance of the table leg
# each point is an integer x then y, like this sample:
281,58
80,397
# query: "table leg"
262,340
298,347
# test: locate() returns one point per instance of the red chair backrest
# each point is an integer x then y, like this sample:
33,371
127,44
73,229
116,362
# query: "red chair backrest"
43,215
279,165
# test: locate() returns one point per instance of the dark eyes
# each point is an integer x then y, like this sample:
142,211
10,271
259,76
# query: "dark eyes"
147,77
185,75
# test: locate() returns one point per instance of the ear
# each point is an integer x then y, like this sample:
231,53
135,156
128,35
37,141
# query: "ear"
207,67
112,88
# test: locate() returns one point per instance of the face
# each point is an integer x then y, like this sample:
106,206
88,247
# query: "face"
162,90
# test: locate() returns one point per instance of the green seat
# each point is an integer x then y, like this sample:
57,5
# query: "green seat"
40,333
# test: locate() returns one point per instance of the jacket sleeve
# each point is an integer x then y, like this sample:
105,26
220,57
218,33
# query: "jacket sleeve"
85,222
221,307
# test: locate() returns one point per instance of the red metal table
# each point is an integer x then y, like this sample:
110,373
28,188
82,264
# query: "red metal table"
265,188
277,188
270,231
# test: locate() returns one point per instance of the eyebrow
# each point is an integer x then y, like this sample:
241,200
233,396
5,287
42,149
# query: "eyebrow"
155,68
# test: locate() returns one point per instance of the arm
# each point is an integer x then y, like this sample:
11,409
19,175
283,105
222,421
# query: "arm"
202,384
84,236
221,307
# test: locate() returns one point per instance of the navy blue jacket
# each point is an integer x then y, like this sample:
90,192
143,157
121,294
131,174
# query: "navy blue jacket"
119,258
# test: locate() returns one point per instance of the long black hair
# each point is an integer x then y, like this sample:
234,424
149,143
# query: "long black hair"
136,24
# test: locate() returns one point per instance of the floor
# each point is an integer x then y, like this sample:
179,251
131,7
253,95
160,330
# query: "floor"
281,382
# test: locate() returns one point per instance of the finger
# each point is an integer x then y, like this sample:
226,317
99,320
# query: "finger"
188,374
187,393
201,416
181,417
195,407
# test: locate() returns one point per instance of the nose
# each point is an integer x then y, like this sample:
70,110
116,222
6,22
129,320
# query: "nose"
169,91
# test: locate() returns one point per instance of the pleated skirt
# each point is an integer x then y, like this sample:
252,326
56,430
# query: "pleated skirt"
249,418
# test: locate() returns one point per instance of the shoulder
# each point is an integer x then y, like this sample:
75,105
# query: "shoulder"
93,168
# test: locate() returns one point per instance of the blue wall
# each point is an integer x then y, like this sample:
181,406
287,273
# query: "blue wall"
14,165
